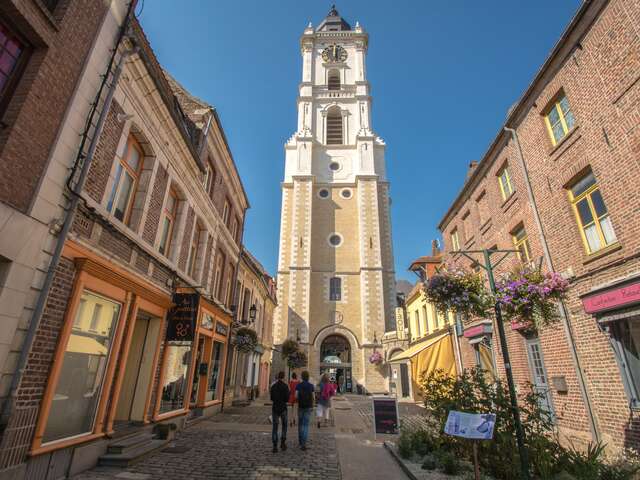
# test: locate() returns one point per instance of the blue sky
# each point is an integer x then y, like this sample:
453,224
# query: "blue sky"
443,75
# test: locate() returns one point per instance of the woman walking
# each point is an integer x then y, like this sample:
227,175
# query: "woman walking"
293,401
325,392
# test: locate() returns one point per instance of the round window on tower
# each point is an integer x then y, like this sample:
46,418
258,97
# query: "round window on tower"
335,239
323,193
346,193
334,166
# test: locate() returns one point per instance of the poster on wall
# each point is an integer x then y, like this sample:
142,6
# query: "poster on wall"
181,319
385,415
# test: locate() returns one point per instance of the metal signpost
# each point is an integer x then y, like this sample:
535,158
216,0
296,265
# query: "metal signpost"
474,427
489,267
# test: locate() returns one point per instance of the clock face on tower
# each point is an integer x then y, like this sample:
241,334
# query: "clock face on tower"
334,53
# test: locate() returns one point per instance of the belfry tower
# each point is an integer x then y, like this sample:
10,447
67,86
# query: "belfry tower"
336,280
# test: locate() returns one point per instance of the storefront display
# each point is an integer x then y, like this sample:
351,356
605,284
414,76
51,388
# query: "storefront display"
175,381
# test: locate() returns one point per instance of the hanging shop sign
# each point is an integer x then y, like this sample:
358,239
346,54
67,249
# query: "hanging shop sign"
385,415
182,317
612,298
474,426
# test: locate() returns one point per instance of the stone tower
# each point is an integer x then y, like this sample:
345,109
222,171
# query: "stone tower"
336,278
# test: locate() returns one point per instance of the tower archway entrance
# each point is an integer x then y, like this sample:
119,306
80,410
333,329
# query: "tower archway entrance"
335,361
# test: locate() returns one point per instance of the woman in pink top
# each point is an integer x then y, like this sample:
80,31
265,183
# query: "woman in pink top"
293,401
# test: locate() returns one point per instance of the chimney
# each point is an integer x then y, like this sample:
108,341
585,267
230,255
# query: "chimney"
472,166
435,247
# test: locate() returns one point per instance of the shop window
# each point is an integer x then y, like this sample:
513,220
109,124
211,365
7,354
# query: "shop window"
175,379
13,53
521,242
504,180
455,240
74,404
335,289
591,214
625,336
559,119
125,182
214,373
168,222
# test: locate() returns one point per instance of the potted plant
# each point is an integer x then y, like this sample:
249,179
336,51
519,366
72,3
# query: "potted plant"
246,339
456,290
376,358
528,297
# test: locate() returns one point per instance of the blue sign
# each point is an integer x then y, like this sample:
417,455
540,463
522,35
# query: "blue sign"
474,426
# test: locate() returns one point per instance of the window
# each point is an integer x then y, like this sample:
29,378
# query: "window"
417,317
626,341
234,228
484,358
323,193
227,292
559,119
592,215
483,208
175,379
12,57
426,318
126,180
455,241
334,166
346,193
335,240
84,362
193,250
210,180
226,212
334,127
214,373
333,80
504,179
335,289
168,221
217,279
521,242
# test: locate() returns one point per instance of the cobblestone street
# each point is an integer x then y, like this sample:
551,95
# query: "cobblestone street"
237,445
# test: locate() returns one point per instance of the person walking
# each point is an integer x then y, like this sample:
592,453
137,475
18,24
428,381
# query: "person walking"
293,413
279,397
326,391
304,395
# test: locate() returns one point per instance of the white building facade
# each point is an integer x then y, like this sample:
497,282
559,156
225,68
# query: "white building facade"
336,280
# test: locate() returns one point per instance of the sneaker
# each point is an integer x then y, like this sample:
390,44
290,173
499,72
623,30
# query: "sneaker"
275,449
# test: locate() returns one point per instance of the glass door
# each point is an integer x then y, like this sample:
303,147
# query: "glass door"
539,373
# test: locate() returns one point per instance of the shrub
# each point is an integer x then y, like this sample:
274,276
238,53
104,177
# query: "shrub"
429,463
405,444
421,442
448,462
288,347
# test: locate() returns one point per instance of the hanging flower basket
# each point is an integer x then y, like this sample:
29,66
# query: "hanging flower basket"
297,359
376,358
530,296
289,347
246,340
459,291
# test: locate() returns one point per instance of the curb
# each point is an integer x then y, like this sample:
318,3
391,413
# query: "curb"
399,461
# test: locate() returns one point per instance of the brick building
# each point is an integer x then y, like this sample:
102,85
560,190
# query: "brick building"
560,188
156,235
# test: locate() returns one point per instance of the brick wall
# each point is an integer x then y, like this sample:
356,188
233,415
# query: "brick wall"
37,107
104,156
600,78
16,438
155,205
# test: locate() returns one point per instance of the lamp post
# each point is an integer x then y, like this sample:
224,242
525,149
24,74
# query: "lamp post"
489,267
252,313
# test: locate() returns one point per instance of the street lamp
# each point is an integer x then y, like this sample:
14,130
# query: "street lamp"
252,313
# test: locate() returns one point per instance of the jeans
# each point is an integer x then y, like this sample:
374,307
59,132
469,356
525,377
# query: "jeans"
304,414
282,417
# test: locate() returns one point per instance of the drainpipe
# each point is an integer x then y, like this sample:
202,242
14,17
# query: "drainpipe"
62,236
595,434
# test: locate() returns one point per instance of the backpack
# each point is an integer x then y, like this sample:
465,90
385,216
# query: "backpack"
305,396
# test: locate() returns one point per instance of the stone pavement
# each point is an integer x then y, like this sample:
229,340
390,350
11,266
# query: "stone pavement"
237,445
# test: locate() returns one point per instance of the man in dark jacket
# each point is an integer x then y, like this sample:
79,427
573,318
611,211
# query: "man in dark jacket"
279,398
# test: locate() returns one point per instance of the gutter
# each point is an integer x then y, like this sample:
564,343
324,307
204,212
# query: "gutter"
593,425
71,209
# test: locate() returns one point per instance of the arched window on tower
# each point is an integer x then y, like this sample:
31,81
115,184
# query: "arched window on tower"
333,80
334,126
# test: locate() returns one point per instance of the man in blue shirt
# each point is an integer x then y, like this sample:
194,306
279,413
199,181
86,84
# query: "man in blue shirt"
304,394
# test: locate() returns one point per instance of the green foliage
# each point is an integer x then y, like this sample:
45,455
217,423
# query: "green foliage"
421,442
473,392
288,347
448,462
405,444
429,463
